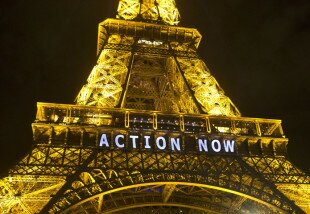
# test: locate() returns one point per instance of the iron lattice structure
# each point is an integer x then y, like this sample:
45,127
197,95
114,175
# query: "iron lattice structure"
150,81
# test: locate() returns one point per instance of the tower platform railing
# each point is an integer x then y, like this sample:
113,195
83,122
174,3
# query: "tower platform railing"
131,118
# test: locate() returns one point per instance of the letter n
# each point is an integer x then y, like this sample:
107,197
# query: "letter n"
202,145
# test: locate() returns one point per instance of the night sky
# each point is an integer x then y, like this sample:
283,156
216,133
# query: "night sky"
259,52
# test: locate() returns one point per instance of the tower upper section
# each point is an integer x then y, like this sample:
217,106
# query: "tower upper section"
161,11
146,62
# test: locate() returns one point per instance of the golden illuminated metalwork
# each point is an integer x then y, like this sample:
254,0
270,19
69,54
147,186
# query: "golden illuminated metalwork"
104,85
156,10
157,71
149,81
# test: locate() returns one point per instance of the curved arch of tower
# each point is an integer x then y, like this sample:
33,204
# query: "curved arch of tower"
152,131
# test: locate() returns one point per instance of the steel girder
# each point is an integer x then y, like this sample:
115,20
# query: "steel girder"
63,161
163,11
186,197
63,148
26,193
191,86
152,67
121,170
138,166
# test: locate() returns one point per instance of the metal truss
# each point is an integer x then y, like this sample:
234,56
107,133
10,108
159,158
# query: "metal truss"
156,84
163,11
121,170
183,198
206,89
299,193
79,116
146,70
221,173
65,146
26,193
154,37
104,85
150,80
283,174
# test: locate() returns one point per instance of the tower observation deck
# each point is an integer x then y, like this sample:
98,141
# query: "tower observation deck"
152,131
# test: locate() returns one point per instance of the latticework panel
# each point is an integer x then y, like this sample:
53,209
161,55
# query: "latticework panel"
184,99
118,169
155,10
157,69
145,83
66,141
278,170
206,89
149,83
299,193
105,82
169,198
157,84
291,181
27,194
154,36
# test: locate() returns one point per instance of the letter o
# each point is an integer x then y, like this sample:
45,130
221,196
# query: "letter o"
164,143
218,147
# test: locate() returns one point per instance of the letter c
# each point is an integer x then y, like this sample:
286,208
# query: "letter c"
117,141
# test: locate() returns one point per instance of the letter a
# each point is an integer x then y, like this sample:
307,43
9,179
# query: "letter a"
104,141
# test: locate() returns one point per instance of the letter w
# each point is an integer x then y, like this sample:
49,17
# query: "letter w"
229,146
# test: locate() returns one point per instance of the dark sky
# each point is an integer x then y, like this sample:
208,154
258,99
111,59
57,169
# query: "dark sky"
259,52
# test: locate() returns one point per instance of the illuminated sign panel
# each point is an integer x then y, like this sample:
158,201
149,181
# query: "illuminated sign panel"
149,42
162,141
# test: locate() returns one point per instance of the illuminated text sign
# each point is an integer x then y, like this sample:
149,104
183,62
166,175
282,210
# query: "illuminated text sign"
203,144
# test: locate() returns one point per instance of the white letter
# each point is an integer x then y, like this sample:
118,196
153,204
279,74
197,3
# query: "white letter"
133,138
202,145
104,140
175,143
117,143
147,143
229,145
164,143
218,145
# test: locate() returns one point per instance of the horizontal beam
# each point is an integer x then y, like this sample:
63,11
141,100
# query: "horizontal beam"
148,31
87,115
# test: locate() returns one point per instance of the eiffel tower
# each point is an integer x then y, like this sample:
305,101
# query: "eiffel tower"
153,132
